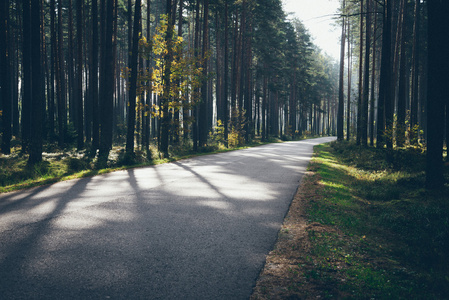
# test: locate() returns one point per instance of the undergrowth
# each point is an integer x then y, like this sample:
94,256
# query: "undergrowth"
387,237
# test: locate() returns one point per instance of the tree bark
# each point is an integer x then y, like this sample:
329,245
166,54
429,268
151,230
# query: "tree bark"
437,92
60,82
360,96
36,80
364,116
93,86
203,126
79,74
341,96
133,81
384,101
402,92
107,81
5,79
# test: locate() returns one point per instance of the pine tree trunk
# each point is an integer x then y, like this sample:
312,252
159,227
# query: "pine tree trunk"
360,96
60,81
203,126
26,78
373,80
37,85
133,81
79,74
341,95
93,86
402,92
415,72
348,106
225,104
5,79
365,100
384,102
107,81
437,92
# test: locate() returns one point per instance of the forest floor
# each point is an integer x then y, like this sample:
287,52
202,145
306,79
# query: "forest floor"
361,226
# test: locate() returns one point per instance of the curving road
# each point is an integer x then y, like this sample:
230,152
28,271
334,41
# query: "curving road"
195,229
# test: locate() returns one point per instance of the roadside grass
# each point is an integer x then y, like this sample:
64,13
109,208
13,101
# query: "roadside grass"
66,164
372,230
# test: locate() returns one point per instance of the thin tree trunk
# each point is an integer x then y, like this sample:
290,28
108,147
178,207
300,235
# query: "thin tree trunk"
36,79
341,96
5,78
360,97
415,72
226,76
93,87
385,77
364,117
133,80
402,92
348,107
60,81
26,78
203,126
79,73
373,80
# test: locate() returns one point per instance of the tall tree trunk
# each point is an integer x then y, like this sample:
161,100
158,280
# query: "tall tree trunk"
203,126
437,92
5,78
373,80
415,72
196,44
384,101
36,80
79,74
402,92
26,78
53,43
226,76
360,96
93,86
133,80
341,96
60,81
107,81
150,85
364,116
348,106
71,69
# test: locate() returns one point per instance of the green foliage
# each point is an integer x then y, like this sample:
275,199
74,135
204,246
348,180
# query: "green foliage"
236,135
217,135
186,70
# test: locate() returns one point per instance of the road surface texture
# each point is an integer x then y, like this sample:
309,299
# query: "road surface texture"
194,229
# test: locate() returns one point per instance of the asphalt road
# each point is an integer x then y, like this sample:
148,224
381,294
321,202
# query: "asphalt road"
195,229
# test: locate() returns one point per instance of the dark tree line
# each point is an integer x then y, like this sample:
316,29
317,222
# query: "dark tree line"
93,74
400,99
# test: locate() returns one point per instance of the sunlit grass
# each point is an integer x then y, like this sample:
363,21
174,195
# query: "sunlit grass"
387,237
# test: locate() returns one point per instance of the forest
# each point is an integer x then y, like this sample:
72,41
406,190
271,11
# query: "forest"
89,87
158,73
190,74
